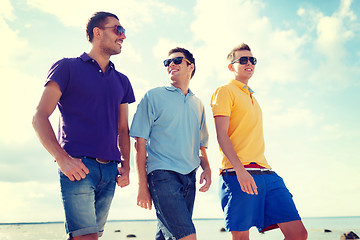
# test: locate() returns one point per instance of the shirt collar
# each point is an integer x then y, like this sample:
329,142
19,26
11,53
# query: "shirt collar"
242,86
85,57
173,89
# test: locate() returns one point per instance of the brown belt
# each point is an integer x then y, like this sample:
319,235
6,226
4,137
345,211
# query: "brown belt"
99,160
102,161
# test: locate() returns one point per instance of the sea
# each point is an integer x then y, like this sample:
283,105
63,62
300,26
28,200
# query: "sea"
207,229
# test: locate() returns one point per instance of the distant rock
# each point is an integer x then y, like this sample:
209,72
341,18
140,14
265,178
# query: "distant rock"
117,231
131,236
349,235
222,229
327,230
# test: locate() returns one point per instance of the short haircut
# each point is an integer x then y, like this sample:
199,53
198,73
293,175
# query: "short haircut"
99,19
188,55
241,47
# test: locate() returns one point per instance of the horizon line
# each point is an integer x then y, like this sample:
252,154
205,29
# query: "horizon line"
144,220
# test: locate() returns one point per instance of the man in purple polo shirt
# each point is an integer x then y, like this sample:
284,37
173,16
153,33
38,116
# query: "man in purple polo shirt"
93,136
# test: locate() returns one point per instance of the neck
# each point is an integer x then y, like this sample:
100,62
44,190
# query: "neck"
243,80
100,58
183,86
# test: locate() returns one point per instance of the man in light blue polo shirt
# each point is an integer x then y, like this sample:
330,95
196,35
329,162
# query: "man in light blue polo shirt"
170,139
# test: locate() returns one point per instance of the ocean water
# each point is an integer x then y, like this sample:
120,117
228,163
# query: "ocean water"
207,229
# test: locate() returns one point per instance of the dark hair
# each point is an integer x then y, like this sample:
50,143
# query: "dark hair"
188,55
241,47
99,19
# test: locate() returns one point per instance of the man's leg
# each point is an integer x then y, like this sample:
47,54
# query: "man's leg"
190,190
84,220
190,237
167,190
281,209
93,236
293,230
240,235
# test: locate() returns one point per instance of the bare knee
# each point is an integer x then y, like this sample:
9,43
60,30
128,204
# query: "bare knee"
190,237
239,235
301,234
93,236
294,230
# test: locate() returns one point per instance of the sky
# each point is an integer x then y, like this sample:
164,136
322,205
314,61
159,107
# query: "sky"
307,81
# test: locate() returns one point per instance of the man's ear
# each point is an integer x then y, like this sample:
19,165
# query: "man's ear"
96,32
231,67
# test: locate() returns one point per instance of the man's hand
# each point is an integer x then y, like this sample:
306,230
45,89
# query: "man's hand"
73,168
123,179
247,182
144,199
205,176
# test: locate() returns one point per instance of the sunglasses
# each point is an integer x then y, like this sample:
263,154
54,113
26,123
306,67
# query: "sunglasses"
118,30
244,60
176,61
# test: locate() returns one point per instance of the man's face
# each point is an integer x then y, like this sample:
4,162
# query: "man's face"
241,72
180,71
111,42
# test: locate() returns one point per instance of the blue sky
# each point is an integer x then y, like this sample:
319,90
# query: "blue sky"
307,81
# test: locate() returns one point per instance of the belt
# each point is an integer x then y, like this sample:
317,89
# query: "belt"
99,160
252,171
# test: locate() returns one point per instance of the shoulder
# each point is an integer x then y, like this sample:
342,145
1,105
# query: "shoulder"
197,100
156,92
66,63
226,89
122,78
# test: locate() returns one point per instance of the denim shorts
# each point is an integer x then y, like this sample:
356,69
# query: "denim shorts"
87,202
173,195
272,205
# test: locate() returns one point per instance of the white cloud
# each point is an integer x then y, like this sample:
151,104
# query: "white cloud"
132,14
18,103
332,36
345,10
16,96
293,117
30,201
6,10
12,46
222,26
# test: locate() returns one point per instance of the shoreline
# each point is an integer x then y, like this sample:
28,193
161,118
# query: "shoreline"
152,220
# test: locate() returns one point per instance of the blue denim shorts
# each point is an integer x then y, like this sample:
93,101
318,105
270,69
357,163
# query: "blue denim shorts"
173,195
87,202
272,205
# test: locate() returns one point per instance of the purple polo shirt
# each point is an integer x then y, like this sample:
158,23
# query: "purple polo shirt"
89,106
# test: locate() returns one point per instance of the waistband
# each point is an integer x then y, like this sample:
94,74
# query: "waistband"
99,160
252,168
252,172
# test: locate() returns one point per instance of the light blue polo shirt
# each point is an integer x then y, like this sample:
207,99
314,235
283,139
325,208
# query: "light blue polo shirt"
174,126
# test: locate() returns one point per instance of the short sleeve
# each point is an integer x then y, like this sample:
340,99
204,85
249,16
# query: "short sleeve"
204,135
143,119
221,102
129,96
59,73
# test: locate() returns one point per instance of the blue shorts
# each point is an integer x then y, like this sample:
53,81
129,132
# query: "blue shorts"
272,205
173,195
87,202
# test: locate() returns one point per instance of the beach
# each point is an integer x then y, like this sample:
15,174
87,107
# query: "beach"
207,229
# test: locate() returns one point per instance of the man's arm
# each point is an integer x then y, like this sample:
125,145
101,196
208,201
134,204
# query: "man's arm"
144,199
123,179
74,169
206,174
246,181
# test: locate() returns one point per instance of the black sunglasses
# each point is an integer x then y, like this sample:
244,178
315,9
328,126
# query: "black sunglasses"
244,60
176,61
118,30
